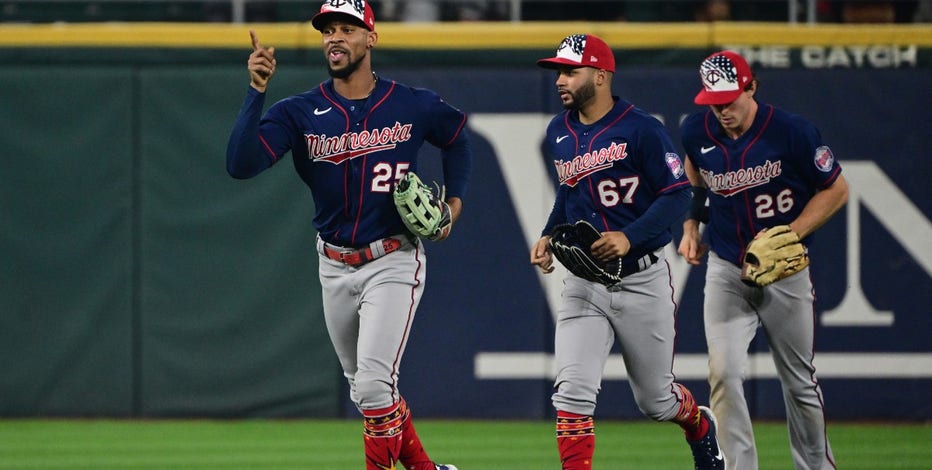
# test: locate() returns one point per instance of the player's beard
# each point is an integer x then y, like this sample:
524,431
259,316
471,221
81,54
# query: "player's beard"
351,66
580,97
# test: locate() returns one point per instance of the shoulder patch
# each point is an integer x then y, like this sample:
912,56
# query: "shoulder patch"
675,164
824,160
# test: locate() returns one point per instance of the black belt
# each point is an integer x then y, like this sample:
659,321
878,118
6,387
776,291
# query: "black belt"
360,256
638,265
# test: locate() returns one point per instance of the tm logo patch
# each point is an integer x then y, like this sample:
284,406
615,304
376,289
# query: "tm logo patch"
675,164
824,159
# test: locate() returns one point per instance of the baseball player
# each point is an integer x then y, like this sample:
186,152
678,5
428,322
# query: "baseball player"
352,138
618,170
758,167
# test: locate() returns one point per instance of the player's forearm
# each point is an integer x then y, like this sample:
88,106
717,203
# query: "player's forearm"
456,208
690,226
821,207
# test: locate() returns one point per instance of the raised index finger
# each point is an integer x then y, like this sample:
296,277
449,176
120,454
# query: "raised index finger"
255,40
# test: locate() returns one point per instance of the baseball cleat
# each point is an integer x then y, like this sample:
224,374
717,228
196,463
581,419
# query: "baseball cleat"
445,467
706,452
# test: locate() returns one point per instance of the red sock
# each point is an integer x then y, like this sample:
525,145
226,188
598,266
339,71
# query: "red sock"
382,437
688,417
575,440
412,456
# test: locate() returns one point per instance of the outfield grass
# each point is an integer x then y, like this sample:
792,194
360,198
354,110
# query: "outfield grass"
471,445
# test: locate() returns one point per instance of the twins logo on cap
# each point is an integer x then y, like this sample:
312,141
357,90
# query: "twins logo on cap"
719,74
357,10
581,50
724,76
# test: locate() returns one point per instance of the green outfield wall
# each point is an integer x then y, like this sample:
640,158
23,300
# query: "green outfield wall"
126,248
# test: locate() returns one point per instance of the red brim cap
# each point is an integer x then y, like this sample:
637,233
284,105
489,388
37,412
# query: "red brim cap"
356,11
581,50
724,75
706,97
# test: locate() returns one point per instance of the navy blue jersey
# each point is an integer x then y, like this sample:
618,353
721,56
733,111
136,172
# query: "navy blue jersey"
761,179
350,153
612,171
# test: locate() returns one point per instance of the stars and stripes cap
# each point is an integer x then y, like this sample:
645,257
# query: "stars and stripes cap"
724,75
581,50
357,11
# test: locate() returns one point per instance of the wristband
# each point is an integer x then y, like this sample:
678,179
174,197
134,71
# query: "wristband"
698,210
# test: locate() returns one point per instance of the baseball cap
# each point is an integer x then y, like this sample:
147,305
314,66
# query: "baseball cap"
724,75
581,50
358,11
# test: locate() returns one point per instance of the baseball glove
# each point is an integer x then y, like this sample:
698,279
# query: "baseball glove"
422,210
774,254
570,243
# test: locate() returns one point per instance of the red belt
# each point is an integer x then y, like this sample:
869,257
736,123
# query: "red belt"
361,256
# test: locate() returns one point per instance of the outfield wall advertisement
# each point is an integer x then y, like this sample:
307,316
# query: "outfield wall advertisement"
871,263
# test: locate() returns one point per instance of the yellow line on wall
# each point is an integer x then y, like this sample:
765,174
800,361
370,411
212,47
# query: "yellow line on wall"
493,35
778,34
190,35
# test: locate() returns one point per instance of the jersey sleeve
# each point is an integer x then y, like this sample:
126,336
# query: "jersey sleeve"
446,123
689,134
457,166
447,131
665,172
549,149
662,166
256,144
666,210
816,162
549,152
558,212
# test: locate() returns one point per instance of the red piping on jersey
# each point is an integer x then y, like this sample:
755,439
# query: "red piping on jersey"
336,103
591,141
346,175
362,180
362,192
831,179
747,197
566,122
457,133
747,204
268,148
708,133
681,183
365,122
